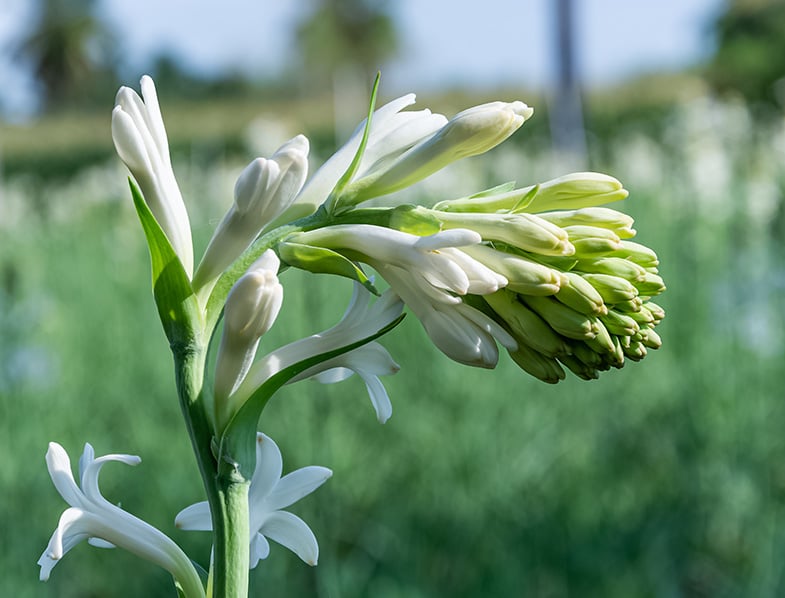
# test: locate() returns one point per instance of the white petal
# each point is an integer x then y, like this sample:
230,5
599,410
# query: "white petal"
195,517
260,549
378,395
59,466
297,484
293,533
333,375
93,468
488,325
269,465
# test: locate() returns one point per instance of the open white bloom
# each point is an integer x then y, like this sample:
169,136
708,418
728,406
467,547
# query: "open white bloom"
461,332
263,191
250,311
140,140
435,263
268,494
392,133
91,517
361,320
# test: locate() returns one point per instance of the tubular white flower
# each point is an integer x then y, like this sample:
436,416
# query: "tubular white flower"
140,140
439,269
263,191
461,332
392,133
468,133
269,493
91,517
361,320
250,311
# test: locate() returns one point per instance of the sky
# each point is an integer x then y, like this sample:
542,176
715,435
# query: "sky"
477,43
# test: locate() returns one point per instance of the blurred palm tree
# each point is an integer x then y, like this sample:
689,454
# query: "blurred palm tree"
336,35
70,52
750,56
342,44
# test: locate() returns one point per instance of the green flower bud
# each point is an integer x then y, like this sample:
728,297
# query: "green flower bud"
577,367
525,325
612,288
580,295
656,311
619,323
591,241
538,365
523,231
575,191
564,320
614,266
650,286
523,275
640,254
619,223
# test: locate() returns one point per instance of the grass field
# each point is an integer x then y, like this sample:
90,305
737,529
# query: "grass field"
666,478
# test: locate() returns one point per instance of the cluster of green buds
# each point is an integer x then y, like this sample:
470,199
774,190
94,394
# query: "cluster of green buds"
579,290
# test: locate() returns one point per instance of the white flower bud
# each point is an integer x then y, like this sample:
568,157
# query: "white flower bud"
251,309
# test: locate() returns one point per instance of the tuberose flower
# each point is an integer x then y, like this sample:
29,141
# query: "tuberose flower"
91,517
361,320
140,140
268,495
251,309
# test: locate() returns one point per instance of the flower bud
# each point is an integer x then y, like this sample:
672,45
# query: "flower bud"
263,190
468,133
251,308
523,275
575,191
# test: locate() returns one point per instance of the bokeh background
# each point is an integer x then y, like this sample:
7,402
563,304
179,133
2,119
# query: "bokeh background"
663,479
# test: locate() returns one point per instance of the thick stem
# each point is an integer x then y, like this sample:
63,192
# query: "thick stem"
231,535
227,490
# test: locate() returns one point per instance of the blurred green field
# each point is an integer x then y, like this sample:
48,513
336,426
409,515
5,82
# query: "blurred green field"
666,478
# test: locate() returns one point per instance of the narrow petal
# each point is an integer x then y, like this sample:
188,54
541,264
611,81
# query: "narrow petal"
195,517
378,395
297,484
293,533
260,549
269,465
59,466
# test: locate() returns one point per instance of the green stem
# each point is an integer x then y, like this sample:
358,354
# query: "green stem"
227,490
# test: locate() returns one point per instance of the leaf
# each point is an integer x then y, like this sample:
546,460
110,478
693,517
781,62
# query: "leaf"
321,260
498,189
524,201
238,442
174,296
414,220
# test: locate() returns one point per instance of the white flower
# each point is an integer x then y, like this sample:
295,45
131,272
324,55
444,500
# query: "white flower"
267,495
361,320
91,517
140,140
436,265
392,133
469,133
263,191
250,311
461,332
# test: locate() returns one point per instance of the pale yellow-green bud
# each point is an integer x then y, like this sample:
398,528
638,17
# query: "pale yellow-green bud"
524,231
612,288
640,254
619,223
656,311
575,191
578,293
591,241
651,285
613,266
523,275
